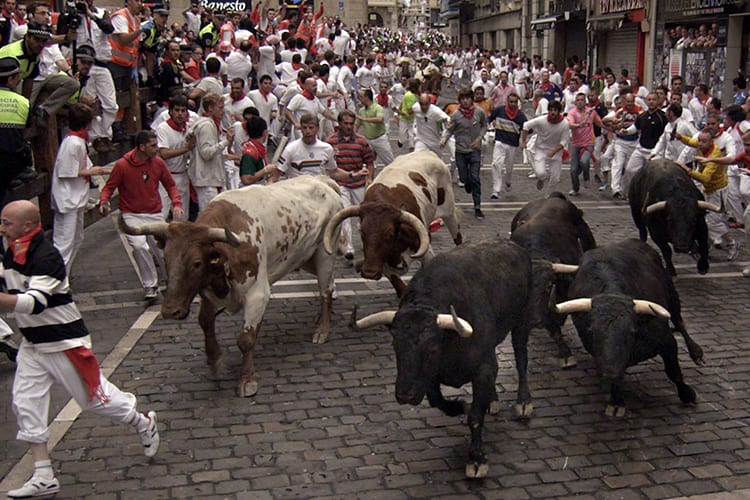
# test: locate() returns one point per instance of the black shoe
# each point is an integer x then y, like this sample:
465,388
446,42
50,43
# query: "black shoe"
349,256
539,184
400,145
467,187
617,196
478,214
9,347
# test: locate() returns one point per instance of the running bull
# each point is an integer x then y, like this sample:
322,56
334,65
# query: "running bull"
555,234
244,241
665,202
453,314
398,207
622,300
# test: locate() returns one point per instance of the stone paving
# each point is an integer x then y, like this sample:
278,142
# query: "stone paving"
325,422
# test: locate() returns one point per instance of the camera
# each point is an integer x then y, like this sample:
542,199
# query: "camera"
70,17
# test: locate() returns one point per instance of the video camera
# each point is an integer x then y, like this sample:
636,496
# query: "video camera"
70,18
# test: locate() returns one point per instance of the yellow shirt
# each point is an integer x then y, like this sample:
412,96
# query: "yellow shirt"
712,175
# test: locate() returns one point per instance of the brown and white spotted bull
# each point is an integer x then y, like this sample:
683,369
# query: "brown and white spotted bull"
398,207
244,241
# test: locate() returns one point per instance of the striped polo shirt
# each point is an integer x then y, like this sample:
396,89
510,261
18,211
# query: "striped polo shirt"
351,153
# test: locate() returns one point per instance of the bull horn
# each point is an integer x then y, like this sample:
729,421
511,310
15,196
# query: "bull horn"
708,206
652,308
564,268
453,322
573,306
223,235
375,319
659,205
342,214
418,225
158,229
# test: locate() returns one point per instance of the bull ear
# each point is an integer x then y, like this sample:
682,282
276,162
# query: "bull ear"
652,308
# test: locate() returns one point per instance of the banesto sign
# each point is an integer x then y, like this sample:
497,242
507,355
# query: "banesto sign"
607,6
235,6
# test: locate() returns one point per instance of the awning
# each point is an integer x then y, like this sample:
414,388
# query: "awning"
544,23
605,22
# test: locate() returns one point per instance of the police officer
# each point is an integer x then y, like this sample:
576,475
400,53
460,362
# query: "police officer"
151,40
209,35
14,115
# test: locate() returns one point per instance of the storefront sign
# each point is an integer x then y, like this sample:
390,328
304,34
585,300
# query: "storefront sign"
607,6
685,8
235,6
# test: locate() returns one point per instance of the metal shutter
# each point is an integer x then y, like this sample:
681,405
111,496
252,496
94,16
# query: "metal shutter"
620,49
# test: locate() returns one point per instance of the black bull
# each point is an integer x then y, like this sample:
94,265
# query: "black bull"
621,302
453,314
665,203
554,232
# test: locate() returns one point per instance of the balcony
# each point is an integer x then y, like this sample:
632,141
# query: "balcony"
561,6
384,3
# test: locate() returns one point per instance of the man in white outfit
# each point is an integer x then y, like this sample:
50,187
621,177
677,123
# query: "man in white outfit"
552,134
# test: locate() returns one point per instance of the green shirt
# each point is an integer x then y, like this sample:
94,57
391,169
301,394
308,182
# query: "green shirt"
369,129
408,102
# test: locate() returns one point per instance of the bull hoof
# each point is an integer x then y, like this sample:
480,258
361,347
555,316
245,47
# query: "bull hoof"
248,388
686,393
477,471
459,239
568,362
494,408
215,369
320,338
615,411
524,410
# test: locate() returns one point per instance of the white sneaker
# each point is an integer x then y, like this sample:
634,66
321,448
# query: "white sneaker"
152,293
150,436
532,175
36,487
746,272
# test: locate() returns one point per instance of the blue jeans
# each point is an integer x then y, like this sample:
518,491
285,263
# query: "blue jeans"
468,165
580,161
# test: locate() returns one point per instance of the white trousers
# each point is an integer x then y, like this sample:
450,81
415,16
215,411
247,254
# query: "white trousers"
100,84
382,148
183,186
68,235
145,249
636,162
350,197
735,194
547,169
406,133
205,195
604,154
35,374
717,221
503,156
623,150
232,172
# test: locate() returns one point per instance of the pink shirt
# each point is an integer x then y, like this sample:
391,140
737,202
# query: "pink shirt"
582,136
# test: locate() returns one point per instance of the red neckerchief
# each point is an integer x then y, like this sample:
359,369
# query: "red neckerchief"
296,66
255,148
635,89
382,99
536,101
20,247
264,94
308,95
238,100
176,127
87,367
545,85
168,60
469,115
559,119
710,150
83,134
511,113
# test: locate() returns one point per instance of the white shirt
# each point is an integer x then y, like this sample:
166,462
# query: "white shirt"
239,65
429,125
300,105
366,78
233,110
47,62
193,21
265,105
169,138
266,63
548,135
69,191
89,33
299,158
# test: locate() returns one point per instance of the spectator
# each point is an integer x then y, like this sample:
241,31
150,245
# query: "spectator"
175,148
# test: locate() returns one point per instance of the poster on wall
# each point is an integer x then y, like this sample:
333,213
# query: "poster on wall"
695,68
